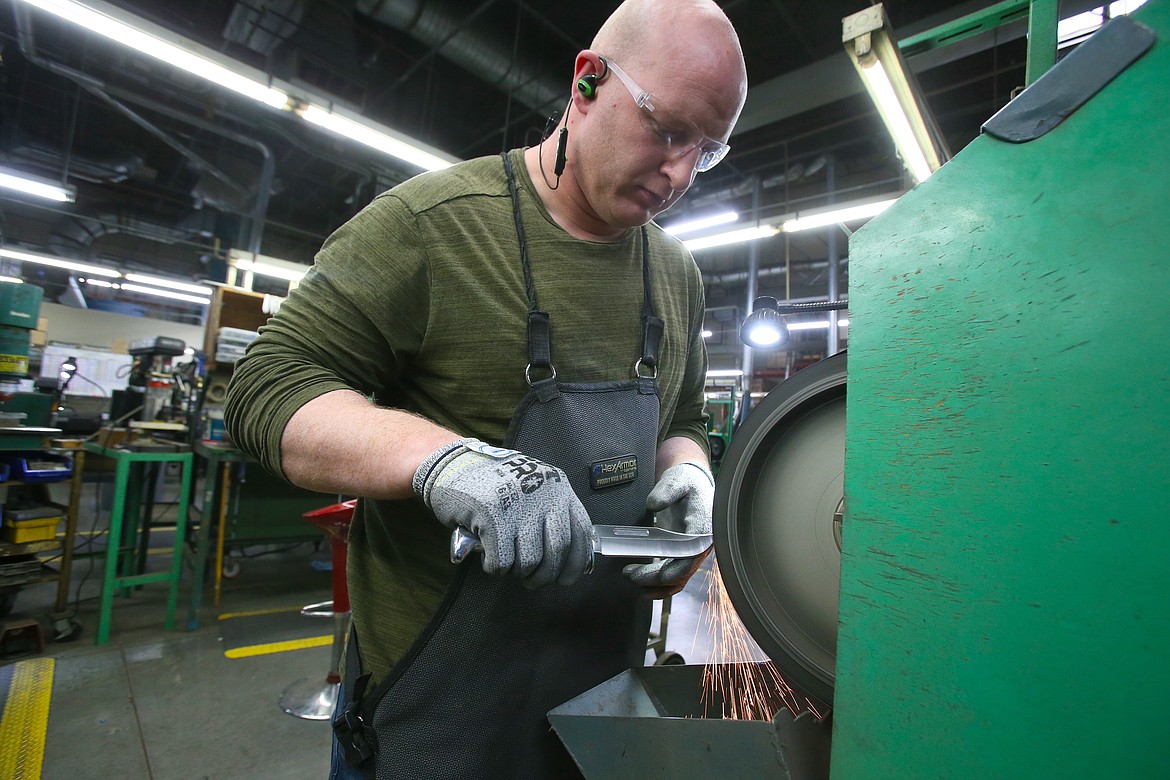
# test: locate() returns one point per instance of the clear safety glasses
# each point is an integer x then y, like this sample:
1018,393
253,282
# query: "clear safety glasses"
677,139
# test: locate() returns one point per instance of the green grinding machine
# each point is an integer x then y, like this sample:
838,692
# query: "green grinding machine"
963,562
1005,573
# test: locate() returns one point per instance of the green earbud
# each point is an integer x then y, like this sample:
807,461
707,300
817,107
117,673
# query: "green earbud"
587,85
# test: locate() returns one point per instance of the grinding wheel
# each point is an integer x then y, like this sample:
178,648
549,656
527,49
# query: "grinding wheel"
778,509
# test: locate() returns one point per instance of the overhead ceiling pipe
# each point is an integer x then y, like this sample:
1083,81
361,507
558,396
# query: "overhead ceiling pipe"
437,24
74,237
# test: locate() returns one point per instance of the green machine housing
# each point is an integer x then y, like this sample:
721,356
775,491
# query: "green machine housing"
1005,584
20,308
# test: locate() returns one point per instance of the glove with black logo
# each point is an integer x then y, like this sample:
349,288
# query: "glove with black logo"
687,491
527,517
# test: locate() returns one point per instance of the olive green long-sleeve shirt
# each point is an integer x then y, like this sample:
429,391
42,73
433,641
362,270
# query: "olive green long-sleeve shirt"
419,302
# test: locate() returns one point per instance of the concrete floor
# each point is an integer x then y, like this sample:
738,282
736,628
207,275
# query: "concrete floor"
169,704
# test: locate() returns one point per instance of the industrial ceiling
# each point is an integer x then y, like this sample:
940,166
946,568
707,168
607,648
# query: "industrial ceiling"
171,171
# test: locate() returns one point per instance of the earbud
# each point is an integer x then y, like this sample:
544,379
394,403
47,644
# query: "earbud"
587,85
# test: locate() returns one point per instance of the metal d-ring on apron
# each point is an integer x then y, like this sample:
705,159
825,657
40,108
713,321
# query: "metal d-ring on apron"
469,698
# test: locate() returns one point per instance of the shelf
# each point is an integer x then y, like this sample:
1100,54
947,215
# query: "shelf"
27,548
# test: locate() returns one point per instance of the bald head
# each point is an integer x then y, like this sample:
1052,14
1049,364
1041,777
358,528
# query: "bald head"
690,33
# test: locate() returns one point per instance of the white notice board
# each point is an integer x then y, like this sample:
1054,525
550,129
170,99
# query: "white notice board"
99,373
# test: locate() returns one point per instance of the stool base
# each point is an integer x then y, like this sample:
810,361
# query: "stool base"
310,699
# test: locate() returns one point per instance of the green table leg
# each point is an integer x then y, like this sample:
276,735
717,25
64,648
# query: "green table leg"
110,580
180,539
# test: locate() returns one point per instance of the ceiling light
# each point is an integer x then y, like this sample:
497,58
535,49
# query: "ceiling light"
11,280
262,265
1076,28
22,182
154,41
702,223
98,283
724,372
708,333
874,53
163,293
158,281
815,324
837,216
68,265
731,237
356,128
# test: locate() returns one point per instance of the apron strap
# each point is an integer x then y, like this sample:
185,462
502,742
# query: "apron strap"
352,725
651,324
539,328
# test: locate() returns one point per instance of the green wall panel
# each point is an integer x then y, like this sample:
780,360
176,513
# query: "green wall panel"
1005,597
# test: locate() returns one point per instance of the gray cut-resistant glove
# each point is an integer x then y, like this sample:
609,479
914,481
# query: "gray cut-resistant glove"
688,491
526,515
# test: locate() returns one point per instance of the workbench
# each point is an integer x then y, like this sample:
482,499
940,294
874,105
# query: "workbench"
244,504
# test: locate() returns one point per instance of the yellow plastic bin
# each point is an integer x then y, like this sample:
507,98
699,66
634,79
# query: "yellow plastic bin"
36,529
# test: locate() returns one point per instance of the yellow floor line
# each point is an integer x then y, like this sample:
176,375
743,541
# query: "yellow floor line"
253,613
278,647
26,714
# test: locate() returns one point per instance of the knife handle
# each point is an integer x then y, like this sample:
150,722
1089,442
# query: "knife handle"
464,542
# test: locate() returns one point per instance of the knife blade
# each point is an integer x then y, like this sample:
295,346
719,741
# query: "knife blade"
621,541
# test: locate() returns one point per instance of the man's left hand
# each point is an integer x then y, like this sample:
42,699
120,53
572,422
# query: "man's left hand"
688,490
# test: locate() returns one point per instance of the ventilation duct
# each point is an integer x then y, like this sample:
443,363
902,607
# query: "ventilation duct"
91,169
438,25
264,25
74,237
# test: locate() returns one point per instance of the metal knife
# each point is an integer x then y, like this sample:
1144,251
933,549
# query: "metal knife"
622,541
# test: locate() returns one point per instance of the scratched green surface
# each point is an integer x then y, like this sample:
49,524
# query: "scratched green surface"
1005,596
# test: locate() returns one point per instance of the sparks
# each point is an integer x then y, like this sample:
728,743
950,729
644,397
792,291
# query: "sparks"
740,683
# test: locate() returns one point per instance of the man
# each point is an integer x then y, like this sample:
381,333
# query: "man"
532,345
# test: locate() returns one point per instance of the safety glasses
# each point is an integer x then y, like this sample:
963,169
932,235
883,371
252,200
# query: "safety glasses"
676,138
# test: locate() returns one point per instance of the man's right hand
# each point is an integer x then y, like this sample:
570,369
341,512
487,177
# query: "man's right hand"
524,511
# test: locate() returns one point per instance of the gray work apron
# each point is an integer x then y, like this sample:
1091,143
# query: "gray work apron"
469,699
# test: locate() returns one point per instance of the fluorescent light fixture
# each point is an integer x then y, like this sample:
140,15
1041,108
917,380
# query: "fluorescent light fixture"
731,237
154,41
816,324
68,265
874,53
724,372
837,216
1075,29
356,128
702,223
270,266
11,280
169,284
708,333
29,185
178,296
137,288
160,43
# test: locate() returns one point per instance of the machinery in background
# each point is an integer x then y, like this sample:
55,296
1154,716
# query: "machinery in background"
722,395
156,390
20,308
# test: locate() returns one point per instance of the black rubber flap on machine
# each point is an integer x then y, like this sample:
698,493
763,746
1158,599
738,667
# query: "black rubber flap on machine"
779,503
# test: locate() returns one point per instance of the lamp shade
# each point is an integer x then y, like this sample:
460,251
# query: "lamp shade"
764,328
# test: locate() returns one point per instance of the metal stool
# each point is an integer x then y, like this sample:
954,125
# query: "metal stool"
314,698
